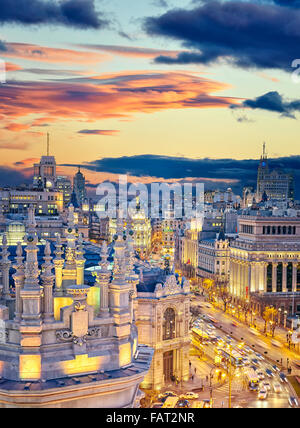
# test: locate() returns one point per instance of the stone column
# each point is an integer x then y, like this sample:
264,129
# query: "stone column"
102,281
284,277
58,264
80,262
31,292
274,277
295,267
47,279
18,277
5,265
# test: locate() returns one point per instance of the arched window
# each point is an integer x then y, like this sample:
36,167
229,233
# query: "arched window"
169,324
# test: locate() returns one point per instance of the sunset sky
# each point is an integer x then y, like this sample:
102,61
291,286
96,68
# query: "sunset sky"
115,80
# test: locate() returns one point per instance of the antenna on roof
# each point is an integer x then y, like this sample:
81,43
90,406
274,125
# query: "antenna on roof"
47,143
264,150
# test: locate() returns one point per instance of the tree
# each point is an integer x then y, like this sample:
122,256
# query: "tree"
208,285
224,295
270,315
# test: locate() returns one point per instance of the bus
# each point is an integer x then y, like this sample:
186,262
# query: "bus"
252,379
236,357
198,335
211,319
170,403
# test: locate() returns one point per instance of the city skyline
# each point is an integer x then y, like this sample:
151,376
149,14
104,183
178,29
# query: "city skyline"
131,88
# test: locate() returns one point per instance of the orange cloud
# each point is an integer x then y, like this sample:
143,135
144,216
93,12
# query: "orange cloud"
113,95
51,55
17,127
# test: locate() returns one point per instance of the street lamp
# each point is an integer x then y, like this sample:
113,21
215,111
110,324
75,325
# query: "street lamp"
285,314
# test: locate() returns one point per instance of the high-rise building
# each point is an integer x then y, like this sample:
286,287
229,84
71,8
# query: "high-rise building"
264,262
79,187
273,184
64,185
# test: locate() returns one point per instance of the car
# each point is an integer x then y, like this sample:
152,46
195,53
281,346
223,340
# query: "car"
255,361
262,394
259,356
157,405
189,396
246,362
234,324
183,404
277,388
260,375
293,402
282,377
266,385
269,373
275,368
253,368
167,394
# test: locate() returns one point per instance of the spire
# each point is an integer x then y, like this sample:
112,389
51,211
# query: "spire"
5,265
48,144
71,220
79,250
119,270
104,263
47,266
58,248
264,151
31,223
19,280
47,278
31,263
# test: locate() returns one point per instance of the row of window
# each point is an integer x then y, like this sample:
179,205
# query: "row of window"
279,230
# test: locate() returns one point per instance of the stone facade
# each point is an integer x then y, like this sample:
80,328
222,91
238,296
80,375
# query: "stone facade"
56,349
265,261
163,324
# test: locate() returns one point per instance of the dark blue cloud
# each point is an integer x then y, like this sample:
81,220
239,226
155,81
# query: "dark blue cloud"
73,13
272,101
248,35
288,3
241,172
3,48
11,177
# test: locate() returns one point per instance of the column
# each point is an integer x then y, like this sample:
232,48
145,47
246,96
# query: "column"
295,266
5,265
18,277
274,277
47,279
252,274
284,277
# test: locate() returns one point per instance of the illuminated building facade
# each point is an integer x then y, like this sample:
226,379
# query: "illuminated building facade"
274,184
45,202
163,324
60,346
265,262
141,228
214,259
